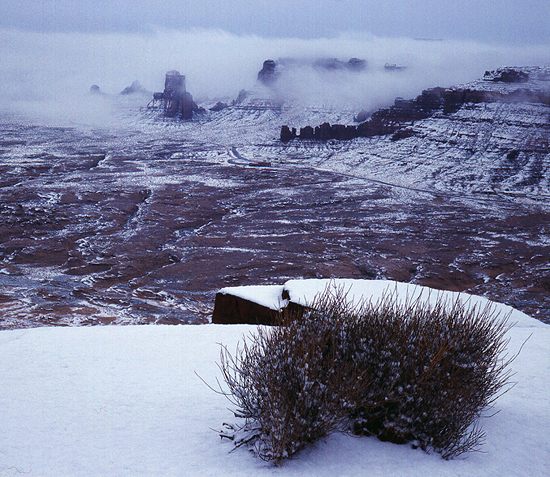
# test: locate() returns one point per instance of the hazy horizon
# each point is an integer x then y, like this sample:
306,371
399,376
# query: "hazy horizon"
54,50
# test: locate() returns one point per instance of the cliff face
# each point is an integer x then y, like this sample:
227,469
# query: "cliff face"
490,135
435,100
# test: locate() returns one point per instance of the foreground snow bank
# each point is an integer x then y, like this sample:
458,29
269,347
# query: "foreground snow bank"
125,401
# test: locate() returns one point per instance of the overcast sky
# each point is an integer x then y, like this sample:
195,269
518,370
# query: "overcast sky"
502,22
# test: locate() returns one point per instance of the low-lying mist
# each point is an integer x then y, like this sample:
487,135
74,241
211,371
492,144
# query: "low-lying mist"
49,75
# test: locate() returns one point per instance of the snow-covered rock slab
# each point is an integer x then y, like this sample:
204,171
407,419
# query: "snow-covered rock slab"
248,305
269,296
262,304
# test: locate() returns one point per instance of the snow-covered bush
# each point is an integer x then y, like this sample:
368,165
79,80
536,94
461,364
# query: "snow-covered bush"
433,368
293,384
404,371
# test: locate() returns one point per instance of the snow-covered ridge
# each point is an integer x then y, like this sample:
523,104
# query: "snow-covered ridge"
486,145
535,79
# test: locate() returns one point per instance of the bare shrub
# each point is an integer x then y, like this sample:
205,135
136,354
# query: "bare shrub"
404,371
291,383
433,367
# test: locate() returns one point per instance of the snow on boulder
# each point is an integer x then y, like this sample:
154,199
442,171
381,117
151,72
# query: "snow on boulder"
249,305
265,304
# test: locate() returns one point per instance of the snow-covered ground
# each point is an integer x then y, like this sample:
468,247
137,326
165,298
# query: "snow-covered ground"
127,401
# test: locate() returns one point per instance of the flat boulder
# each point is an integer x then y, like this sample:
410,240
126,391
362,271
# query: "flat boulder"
254,305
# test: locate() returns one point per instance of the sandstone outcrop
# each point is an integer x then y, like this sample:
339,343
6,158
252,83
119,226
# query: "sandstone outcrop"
404,112
331,64
267,75
287,134
135,88
507,75
219,106
272,70
231,309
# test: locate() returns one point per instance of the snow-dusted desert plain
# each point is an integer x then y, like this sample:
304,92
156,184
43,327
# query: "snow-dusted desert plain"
141,219
127,401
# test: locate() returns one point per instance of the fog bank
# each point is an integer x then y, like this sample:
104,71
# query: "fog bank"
53,72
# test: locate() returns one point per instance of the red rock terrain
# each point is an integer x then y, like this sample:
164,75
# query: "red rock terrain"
145,223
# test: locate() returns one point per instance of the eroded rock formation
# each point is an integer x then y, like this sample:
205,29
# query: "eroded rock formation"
507,75
267,75
404,112
272,70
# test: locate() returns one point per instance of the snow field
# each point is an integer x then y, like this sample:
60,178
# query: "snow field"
125,401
